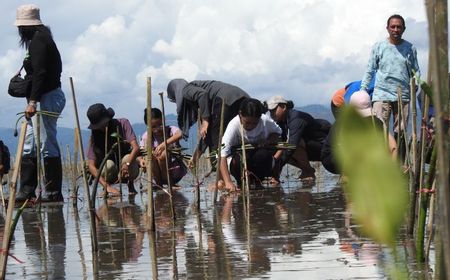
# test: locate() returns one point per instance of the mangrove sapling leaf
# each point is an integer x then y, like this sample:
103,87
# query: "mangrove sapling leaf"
376,187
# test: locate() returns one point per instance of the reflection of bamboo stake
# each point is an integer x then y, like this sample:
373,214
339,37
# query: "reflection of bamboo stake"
174,252
80,243
169,181
94,243
149,161
12,198
219,150
152,241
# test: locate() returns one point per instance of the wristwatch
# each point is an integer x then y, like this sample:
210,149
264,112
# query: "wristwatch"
127,163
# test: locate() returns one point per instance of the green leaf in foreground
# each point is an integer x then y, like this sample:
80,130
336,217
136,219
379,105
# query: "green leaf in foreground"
376,187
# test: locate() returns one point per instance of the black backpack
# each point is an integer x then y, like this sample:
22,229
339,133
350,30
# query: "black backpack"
5,157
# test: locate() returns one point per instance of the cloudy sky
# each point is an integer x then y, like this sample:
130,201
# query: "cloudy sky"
302,49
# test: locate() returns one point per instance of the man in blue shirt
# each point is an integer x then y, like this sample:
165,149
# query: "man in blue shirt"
394,62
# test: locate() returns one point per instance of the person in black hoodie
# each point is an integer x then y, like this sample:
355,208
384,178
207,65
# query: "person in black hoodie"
43,64
208,97
303,131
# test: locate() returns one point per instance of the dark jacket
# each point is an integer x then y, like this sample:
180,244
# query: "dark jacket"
302,126
200,95
44,64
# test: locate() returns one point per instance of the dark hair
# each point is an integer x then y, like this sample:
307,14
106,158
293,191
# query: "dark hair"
251,107
397,17
156,114
26,33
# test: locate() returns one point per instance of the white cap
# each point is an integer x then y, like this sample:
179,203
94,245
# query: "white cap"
273,102
362,103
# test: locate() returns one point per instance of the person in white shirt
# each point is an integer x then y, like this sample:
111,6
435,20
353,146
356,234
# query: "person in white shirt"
259,130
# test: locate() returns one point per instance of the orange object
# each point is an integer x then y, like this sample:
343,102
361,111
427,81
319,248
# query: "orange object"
338,98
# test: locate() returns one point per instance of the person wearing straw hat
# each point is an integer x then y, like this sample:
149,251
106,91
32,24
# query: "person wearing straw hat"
299,129
43,63
104,130
206,97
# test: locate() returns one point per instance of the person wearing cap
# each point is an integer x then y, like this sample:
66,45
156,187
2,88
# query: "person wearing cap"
258,130
360,100
394,61
177,168
303,131
342,96
43,63
103,130
206,97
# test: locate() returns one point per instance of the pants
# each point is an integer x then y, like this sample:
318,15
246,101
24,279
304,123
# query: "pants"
383,110
111,172
259,164
52,101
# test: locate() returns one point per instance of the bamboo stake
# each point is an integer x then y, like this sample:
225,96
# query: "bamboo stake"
118,140
219,150
39,185
438,31
413,161
75,166
423,208
12,198
169,181
244,160
150,205
431,222
94,243
402,127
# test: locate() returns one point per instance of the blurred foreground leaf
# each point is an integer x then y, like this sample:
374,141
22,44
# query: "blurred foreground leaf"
376,187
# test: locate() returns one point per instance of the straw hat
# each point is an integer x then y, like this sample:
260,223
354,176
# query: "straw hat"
28,15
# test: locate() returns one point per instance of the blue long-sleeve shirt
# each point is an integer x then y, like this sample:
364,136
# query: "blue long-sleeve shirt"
393,66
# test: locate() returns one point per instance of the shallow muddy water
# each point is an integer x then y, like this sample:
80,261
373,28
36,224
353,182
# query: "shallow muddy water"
291,232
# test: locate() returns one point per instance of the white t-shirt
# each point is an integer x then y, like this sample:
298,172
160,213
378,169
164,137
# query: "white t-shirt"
258,135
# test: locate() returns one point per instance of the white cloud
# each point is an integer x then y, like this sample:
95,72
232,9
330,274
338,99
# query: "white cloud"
302,49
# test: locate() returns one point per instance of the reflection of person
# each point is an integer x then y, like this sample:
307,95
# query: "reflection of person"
393,61
361,102
43,63
206,96
56,241
177,168
104,128
303,131
258,129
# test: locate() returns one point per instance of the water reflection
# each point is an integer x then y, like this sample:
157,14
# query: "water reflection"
45,251
284,233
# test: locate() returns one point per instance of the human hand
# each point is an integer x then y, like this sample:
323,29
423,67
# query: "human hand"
160,149
124,173
204,129
30,110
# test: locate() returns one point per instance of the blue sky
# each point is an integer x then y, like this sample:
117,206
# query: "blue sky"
302,49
